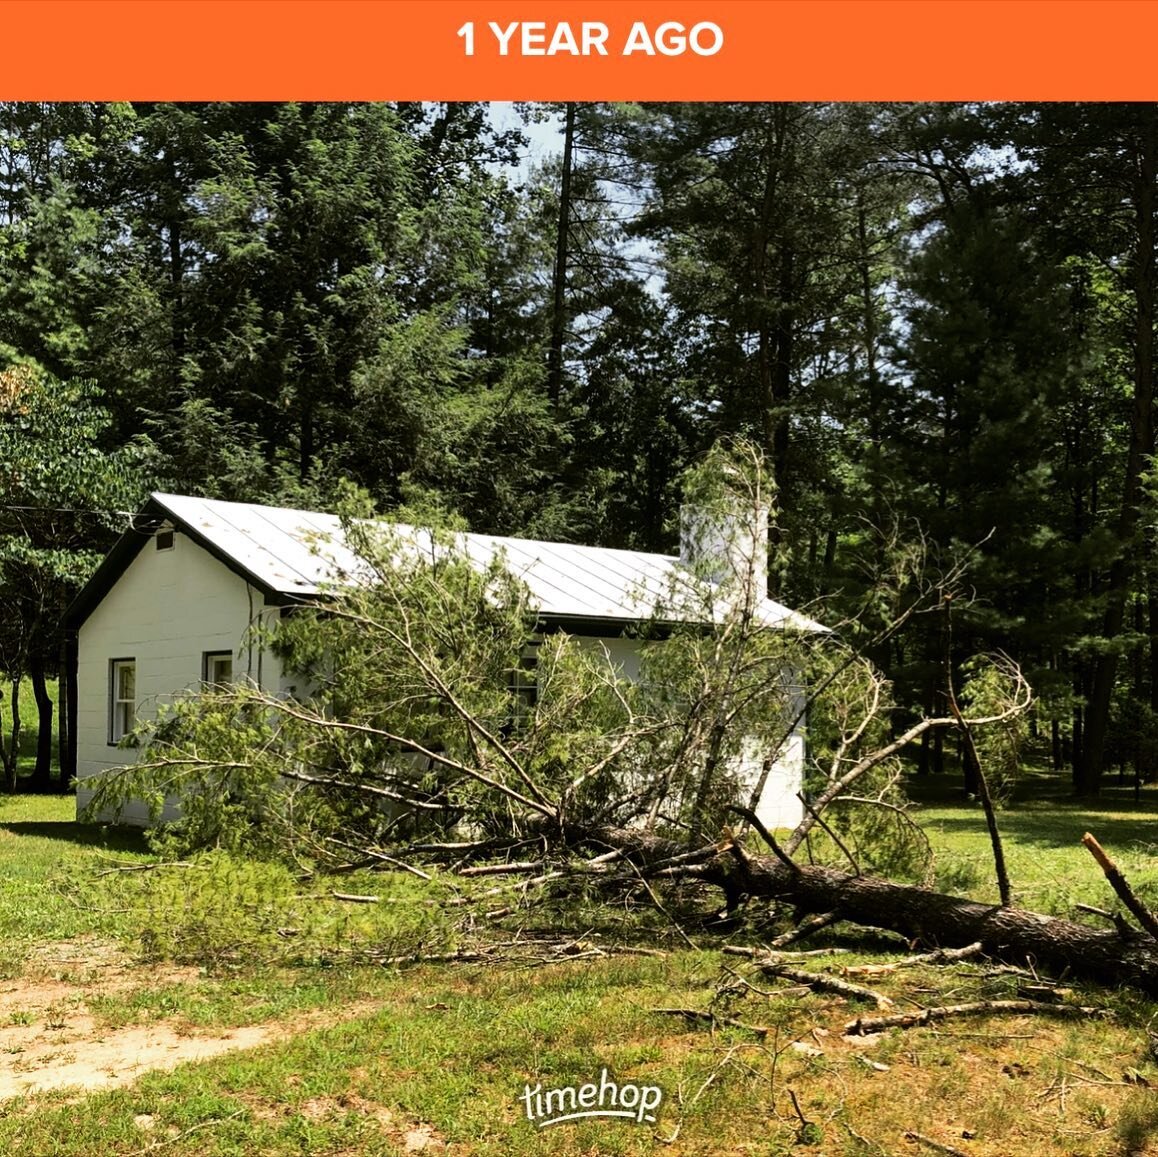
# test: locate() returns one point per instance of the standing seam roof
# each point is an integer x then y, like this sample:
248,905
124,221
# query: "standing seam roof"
298,552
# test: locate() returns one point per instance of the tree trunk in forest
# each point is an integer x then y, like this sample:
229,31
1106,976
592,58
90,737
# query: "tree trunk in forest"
1077,727
1152,630
782,370
305,433
559,281
63,716
1088,780
969,784
42,774
872,371
1138,652
774,290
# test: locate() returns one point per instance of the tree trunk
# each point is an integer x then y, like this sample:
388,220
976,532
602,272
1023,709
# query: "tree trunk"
1010,934
559,286
42,773
12,759
773,288
1005,933
1152,614
1077,729
969,776
66,698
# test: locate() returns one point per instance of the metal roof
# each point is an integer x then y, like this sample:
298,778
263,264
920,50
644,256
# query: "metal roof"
297,553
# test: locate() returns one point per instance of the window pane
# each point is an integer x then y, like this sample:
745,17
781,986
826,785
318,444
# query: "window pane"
123,699
218,668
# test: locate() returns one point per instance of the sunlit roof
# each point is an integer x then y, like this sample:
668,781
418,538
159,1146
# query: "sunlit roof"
301,552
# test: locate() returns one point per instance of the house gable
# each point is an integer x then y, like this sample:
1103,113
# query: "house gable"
165,611
152,517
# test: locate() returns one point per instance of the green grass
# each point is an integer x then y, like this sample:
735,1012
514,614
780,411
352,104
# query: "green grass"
1049,870
452,1050
448,1052
46,859
449,1049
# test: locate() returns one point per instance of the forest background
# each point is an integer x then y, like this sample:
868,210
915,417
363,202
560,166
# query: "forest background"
937,320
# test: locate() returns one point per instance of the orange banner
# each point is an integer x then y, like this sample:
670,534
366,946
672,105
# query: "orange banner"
562,49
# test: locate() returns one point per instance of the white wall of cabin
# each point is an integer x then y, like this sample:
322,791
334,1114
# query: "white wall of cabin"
165,611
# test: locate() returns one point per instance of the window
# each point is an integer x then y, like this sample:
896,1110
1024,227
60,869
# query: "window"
521,681
122,698
165,539
523,687
217,668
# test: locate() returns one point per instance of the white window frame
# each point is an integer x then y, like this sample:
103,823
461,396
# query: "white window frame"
210,674
122,710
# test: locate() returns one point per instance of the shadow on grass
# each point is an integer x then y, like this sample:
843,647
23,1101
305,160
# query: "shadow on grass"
114,839
1061,827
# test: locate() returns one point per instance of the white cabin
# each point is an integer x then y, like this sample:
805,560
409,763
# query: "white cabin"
171,606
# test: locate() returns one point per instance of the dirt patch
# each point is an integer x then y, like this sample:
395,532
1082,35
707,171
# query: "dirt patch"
74,1052
71,1060
49,1040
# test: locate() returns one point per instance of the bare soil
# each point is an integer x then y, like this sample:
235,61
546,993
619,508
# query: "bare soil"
50,1040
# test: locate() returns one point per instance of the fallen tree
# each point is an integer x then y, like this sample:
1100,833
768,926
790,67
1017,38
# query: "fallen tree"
415,748
1005,933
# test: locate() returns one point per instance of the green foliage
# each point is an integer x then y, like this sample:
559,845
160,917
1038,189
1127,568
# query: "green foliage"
871,818
985,692
1133,738
404,681
219,910
927,316
65,486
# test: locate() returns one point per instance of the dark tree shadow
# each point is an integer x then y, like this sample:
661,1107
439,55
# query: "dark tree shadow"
113,839
1062,828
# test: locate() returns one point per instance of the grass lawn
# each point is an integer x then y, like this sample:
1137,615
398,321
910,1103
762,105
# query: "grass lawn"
436,1059
44,853
1048,868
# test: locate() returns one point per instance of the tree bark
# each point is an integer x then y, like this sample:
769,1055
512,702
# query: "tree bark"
42,774
1005,933
562,244
13,757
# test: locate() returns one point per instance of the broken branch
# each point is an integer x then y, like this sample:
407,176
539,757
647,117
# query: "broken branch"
1121,885
867,1024
823,983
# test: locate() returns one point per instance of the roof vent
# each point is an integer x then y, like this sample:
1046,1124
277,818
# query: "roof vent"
165,538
